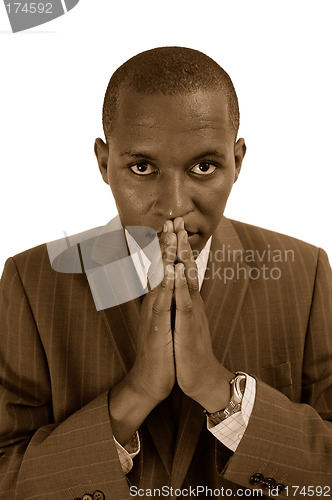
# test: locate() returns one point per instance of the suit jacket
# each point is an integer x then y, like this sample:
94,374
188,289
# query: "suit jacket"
59,357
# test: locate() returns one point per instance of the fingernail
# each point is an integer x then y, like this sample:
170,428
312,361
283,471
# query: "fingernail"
165,227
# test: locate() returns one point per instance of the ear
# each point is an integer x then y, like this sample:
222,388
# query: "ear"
101,152
240,149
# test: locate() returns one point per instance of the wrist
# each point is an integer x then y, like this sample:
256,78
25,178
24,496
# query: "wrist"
237,385
127,410
152,377
216,397
215,392
136,390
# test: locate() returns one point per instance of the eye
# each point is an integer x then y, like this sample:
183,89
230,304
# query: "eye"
142,169
203,168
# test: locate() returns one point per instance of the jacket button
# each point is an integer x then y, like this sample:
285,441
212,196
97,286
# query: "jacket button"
280,487
256,478
87,496
268,482
98,495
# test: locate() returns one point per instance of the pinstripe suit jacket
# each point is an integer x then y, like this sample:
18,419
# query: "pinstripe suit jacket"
59,357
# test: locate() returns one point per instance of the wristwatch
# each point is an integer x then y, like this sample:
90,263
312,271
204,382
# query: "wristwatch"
237,384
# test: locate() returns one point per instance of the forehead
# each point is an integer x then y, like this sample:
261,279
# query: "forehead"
180,116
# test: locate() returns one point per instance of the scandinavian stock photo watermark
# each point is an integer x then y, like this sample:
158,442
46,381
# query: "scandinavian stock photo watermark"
228,264
116,276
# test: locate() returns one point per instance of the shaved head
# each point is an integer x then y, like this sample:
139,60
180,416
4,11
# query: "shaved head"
168,71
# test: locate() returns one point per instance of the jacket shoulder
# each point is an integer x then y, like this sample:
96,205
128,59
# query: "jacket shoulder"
264,244
34,254
61,253
251,235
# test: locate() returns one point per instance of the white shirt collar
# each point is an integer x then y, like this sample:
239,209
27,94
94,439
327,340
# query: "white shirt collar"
142,263
202,261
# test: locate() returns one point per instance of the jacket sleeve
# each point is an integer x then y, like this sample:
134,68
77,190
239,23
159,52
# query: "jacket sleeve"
38,457
292,442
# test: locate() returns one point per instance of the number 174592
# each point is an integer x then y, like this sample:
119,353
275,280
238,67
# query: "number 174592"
29,8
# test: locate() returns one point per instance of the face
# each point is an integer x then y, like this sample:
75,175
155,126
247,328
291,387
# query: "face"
171,156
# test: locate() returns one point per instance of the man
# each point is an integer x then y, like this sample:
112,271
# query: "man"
220,379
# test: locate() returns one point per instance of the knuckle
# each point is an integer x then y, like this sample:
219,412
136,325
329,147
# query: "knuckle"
164,284
184,285
186,309
194,287
157,309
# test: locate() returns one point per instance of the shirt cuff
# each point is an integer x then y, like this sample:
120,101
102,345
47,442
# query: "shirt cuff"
128,452
230,431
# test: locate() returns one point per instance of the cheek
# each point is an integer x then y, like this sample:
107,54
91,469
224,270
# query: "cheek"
215,196
212,205
131,200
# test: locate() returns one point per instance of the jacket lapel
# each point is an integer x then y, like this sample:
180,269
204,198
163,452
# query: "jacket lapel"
121,322
223,292
224,288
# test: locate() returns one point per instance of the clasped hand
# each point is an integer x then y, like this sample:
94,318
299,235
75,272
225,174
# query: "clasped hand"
174,341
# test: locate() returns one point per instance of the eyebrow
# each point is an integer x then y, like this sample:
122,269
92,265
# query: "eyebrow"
138,154
210,153
142,154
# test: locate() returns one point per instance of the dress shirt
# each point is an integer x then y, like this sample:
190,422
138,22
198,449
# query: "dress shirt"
231,430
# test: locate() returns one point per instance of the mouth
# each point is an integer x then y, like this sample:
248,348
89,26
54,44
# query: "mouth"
190,234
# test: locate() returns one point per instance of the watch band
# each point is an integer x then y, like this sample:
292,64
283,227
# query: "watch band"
237,390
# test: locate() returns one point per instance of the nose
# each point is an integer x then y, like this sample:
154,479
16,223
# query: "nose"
174,197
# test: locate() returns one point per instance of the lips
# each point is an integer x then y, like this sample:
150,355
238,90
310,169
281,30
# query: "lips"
190,233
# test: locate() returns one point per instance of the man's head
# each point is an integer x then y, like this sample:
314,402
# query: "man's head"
170,118
169,71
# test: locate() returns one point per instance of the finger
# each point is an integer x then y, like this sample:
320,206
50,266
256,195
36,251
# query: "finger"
184,304
170,249
178,224
168,244
168,226
161,309
166,284
190,318
147,303
185,256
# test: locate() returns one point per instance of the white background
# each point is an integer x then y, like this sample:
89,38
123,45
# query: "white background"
52,84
